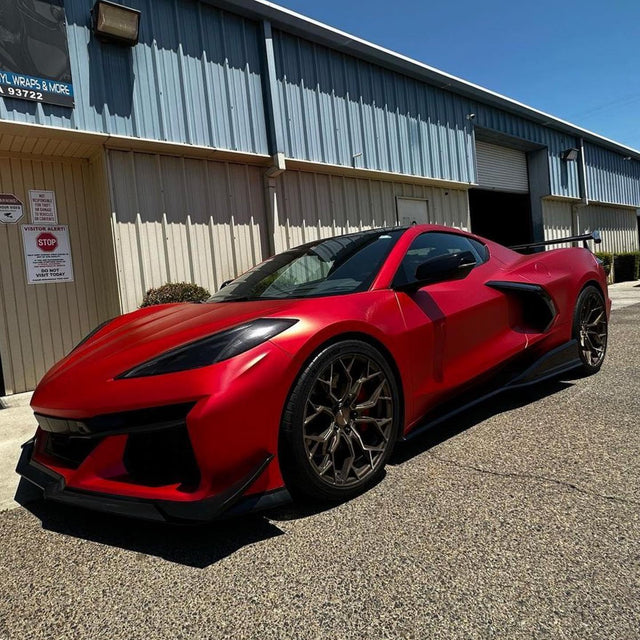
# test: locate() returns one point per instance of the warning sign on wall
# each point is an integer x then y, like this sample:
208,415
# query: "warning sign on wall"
47,253
10,208
43,207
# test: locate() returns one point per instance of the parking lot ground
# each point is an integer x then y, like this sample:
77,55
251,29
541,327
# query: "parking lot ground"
520,519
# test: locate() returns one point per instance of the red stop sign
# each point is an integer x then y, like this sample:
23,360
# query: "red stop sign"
47,241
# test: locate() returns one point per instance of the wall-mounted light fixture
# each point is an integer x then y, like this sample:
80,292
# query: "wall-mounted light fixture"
471,116
627,158
113,22
570,155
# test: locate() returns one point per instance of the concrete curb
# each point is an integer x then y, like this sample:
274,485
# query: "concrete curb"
17,400
630,284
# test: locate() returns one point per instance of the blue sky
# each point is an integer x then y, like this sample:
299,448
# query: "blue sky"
577,60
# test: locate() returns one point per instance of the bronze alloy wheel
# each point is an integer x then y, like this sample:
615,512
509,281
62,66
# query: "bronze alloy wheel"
348,420
590,328
341,422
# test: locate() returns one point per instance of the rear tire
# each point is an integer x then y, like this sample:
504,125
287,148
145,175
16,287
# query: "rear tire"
590,329
340,423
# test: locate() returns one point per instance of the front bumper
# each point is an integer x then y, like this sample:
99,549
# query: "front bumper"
225,504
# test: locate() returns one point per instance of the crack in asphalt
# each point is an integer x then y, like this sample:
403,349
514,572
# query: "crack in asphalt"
532,476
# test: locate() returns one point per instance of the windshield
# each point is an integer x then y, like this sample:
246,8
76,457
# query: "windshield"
336,266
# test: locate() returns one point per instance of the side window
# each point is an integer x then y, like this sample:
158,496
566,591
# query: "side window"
433,244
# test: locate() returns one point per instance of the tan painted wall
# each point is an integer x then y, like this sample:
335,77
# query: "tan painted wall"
203,221
315,205
40,323
557,220
618,226
179,219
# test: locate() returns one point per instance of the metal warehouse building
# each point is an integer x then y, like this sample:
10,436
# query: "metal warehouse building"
232,130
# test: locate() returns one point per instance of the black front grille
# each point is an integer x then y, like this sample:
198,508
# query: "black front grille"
148,419
69,451
162,458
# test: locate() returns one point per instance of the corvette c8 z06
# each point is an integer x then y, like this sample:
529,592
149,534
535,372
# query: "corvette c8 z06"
301,375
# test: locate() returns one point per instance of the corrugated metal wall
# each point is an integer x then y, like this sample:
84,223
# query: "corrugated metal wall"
39,324
318,205
619,227
339,110
195,78
179,219
611,178
557,220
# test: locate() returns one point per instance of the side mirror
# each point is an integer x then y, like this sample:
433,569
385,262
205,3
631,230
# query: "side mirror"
455,266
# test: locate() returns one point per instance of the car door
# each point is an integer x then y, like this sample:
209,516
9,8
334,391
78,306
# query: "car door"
459,329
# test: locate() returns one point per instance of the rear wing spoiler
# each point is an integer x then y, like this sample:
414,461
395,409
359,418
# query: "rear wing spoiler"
594,235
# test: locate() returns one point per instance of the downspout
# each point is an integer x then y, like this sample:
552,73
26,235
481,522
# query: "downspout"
582,190
275,137
271,199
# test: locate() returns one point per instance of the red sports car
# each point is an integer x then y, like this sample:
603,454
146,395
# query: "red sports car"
299,376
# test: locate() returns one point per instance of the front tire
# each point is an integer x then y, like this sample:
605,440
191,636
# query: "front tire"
340,423
590,329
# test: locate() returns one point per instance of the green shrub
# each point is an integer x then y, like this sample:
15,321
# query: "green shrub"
606,259
175,292
626,266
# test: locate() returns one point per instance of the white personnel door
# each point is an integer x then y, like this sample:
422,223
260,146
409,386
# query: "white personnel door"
412,211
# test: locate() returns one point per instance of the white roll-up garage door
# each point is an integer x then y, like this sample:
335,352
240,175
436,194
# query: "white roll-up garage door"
501,168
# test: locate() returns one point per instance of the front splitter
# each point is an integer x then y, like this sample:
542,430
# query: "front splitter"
228,502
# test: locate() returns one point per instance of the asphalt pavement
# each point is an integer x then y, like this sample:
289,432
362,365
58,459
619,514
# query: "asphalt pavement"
520,519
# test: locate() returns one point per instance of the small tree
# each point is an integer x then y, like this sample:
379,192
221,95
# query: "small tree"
175,292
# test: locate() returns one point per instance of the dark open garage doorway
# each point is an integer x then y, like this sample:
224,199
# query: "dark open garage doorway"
500,216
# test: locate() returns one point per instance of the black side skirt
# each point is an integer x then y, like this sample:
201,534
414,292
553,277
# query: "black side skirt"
562,359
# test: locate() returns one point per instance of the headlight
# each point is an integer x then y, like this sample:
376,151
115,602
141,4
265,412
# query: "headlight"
215,348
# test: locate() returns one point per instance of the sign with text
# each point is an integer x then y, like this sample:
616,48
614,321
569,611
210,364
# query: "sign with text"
47,253
34,53
11,209
43,207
